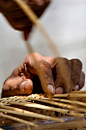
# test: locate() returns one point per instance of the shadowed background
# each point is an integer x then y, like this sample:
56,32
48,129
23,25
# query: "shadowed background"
65,22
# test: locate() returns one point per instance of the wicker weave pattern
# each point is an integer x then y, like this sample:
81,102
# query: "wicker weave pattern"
62,109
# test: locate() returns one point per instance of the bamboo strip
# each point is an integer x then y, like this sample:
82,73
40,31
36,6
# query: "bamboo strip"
30,49
72,102
77,95
18,120
13,108
67,101
61,105
32,114
61,95
28,98
71,95
70,125
82,91
76,114
34,105
60,110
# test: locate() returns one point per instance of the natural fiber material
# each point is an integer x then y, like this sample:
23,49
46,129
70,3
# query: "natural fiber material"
25,109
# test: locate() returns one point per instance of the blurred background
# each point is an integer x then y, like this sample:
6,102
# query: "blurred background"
65,22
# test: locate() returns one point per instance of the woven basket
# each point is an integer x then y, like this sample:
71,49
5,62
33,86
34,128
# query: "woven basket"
37,112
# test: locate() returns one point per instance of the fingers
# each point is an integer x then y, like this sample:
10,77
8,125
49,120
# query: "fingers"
16,14
81,81
38,66
17,86
76,76
8,5
76,70
40,11
17,18
19,22
37,74
63,74
22,79
46,77
38,4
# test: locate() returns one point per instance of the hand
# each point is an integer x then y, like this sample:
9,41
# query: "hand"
17,18
26,78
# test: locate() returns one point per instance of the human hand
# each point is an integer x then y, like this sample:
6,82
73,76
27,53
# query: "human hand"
26,78
17,18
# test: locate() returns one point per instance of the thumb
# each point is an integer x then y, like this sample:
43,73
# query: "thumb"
26,87
15,86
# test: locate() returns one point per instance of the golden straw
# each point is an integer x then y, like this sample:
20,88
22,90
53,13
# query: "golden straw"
32,114
17,119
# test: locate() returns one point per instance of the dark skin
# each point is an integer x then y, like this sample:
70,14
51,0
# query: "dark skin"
17,18
25,79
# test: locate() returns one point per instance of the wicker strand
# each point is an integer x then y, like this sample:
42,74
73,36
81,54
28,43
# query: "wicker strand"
61,105
32,114
17,119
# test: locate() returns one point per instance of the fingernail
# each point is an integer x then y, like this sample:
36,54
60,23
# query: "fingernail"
59,90
76,88
51,89
22,86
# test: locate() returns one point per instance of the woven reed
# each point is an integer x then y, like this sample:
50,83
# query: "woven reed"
26,109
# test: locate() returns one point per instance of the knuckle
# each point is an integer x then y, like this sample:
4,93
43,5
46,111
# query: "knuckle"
60,59
63,64
29,56
44,64
77,62
6,85
32,56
